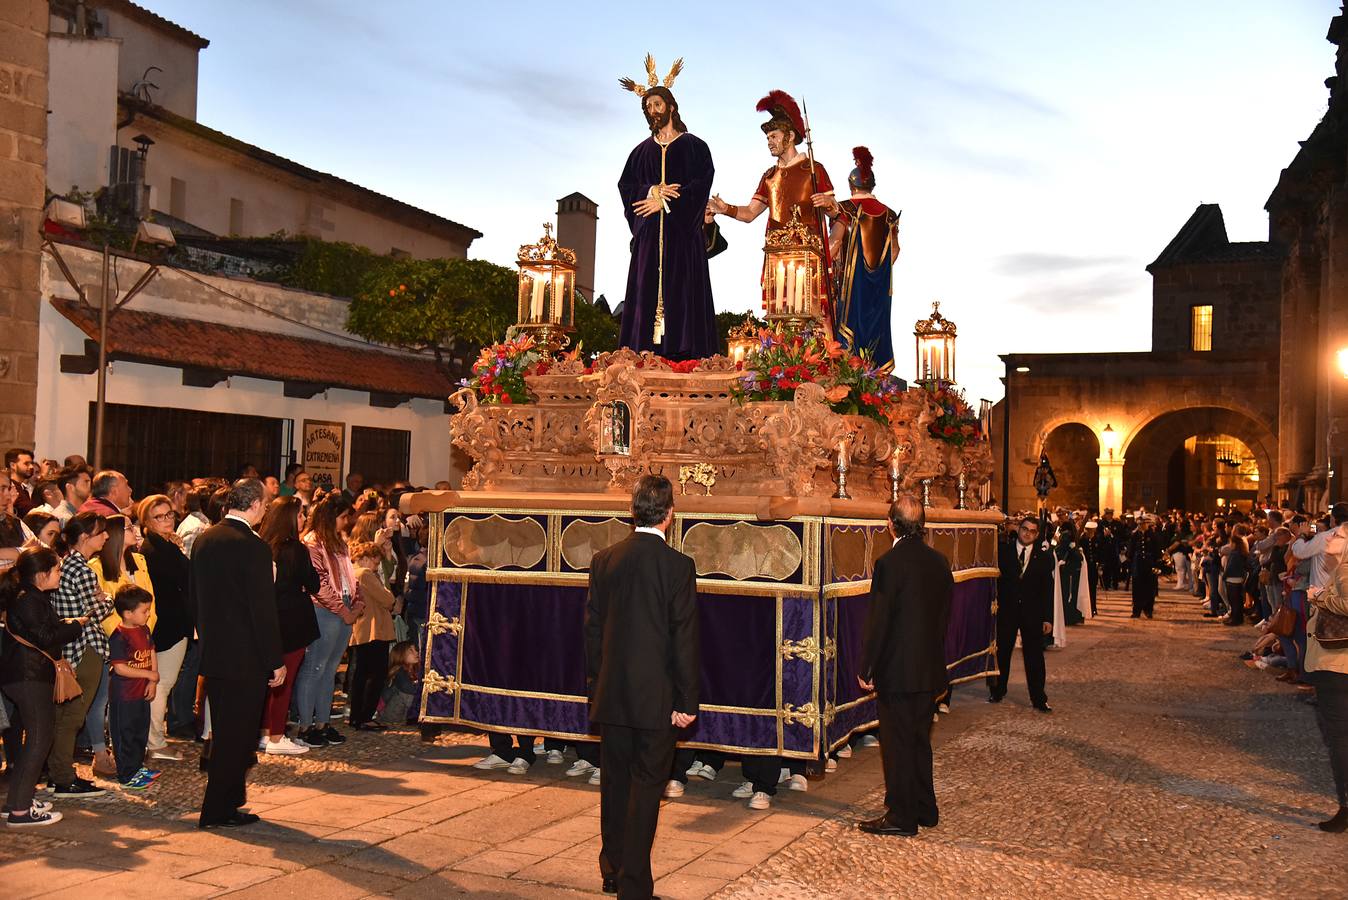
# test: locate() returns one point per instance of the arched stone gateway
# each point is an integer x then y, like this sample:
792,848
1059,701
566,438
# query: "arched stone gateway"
1073,449
1198,458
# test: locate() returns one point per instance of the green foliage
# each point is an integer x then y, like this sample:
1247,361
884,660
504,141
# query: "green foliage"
332,267
424,304
596,330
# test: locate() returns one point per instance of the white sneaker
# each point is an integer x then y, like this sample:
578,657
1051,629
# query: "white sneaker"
594,777
784,775
760,800
702,770
285,747
579,767
674,789
491,761
798,783
554,757
518,767
844,752
869,740
166,754
943,708
744,791
830,765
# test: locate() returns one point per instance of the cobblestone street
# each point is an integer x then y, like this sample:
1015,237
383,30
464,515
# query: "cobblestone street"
1168,769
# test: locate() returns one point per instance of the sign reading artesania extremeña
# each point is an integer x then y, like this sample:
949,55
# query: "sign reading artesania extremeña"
323,444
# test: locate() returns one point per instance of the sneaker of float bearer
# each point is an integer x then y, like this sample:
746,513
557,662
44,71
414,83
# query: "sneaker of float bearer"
579,767
492,761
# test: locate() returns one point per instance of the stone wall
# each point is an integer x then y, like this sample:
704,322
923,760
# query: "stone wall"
1244,296
23,160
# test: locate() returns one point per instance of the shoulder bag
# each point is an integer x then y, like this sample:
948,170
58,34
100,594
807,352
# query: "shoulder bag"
66,686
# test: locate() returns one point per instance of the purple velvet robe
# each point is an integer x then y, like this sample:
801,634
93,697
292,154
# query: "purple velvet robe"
690,318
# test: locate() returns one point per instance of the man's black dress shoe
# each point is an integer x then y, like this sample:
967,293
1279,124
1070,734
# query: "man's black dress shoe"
237,820
610,885
927,823
1043,708
883,826
995,698
1338,824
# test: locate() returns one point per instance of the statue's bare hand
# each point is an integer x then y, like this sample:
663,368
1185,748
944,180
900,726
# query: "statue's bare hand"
670,191
648,207
717,205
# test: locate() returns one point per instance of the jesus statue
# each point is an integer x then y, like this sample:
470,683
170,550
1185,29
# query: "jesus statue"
665,186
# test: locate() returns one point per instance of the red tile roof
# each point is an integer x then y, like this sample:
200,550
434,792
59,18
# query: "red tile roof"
169,340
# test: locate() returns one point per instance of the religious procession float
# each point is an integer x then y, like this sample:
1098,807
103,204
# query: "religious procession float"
786,448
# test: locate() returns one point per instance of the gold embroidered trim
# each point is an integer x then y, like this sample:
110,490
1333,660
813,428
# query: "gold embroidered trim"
434,683
807,715
809,649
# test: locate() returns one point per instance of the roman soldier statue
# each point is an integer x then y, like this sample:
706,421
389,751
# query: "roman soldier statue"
864,245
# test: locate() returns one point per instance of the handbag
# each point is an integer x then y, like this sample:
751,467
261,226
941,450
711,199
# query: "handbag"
1331,629
1283,622
67,686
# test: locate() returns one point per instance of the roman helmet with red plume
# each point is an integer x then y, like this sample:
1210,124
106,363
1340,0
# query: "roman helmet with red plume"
862,177
785,114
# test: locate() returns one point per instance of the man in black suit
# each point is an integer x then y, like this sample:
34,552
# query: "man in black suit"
233,596
903,661
641,648
1024,605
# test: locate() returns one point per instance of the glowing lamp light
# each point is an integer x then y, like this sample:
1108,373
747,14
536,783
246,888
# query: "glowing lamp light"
793,273
547,291
935,337
741,340
1343,362
1109,439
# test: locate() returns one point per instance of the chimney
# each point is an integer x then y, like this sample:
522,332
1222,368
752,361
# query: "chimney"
577,221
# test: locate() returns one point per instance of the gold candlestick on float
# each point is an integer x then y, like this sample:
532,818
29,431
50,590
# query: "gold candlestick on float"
844,465
547,302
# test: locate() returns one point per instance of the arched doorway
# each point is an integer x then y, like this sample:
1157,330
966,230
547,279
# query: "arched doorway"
1204,459
1072,450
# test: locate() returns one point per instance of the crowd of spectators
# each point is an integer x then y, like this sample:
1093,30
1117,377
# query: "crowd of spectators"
96,581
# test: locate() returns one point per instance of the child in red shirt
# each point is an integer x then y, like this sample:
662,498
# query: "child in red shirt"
135,678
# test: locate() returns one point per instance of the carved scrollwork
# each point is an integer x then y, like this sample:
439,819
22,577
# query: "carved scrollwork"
801,437
437,624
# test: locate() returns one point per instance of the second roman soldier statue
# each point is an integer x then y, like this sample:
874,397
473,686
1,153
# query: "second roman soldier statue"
865,245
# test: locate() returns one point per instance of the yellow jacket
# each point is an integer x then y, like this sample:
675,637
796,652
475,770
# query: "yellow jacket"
141,578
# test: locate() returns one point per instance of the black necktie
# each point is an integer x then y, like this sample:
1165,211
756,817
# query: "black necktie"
1024,557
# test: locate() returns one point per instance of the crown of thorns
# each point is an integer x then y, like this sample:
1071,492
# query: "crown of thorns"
652,80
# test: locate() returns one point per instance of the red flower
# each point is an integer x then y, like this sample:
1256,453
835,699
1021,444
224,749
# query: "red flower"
505,398
775,371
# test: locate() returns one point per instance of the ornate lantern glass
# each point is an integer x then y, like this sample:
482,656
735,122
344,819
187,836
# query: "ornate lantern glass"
793,272
935,348
741,340
547,287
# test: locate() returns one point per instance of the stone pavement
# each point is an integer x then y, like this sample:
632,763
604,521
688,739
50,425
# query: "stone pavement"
1168,768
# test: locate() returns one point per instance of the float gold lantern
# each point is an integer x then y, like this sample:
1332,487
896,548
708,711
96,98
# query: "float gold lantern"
793,278
547,291
935,348
741,340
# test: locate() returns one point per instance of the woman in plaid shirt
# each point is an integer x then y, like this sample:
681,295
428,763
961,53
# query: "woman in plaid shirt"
78,595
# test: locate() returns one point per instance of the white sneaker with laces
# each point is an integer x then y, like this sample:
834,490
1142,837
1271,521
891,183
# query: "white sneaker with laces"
594,777
784,775
555,757
844,752
492,761
579,767
744,791
704,771
518,767
830,765
798,783
760,800
674,789
285,747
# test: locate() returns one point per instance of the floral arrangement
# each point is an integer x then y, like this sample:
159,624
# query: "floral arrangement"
498,373
956,422
783,362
